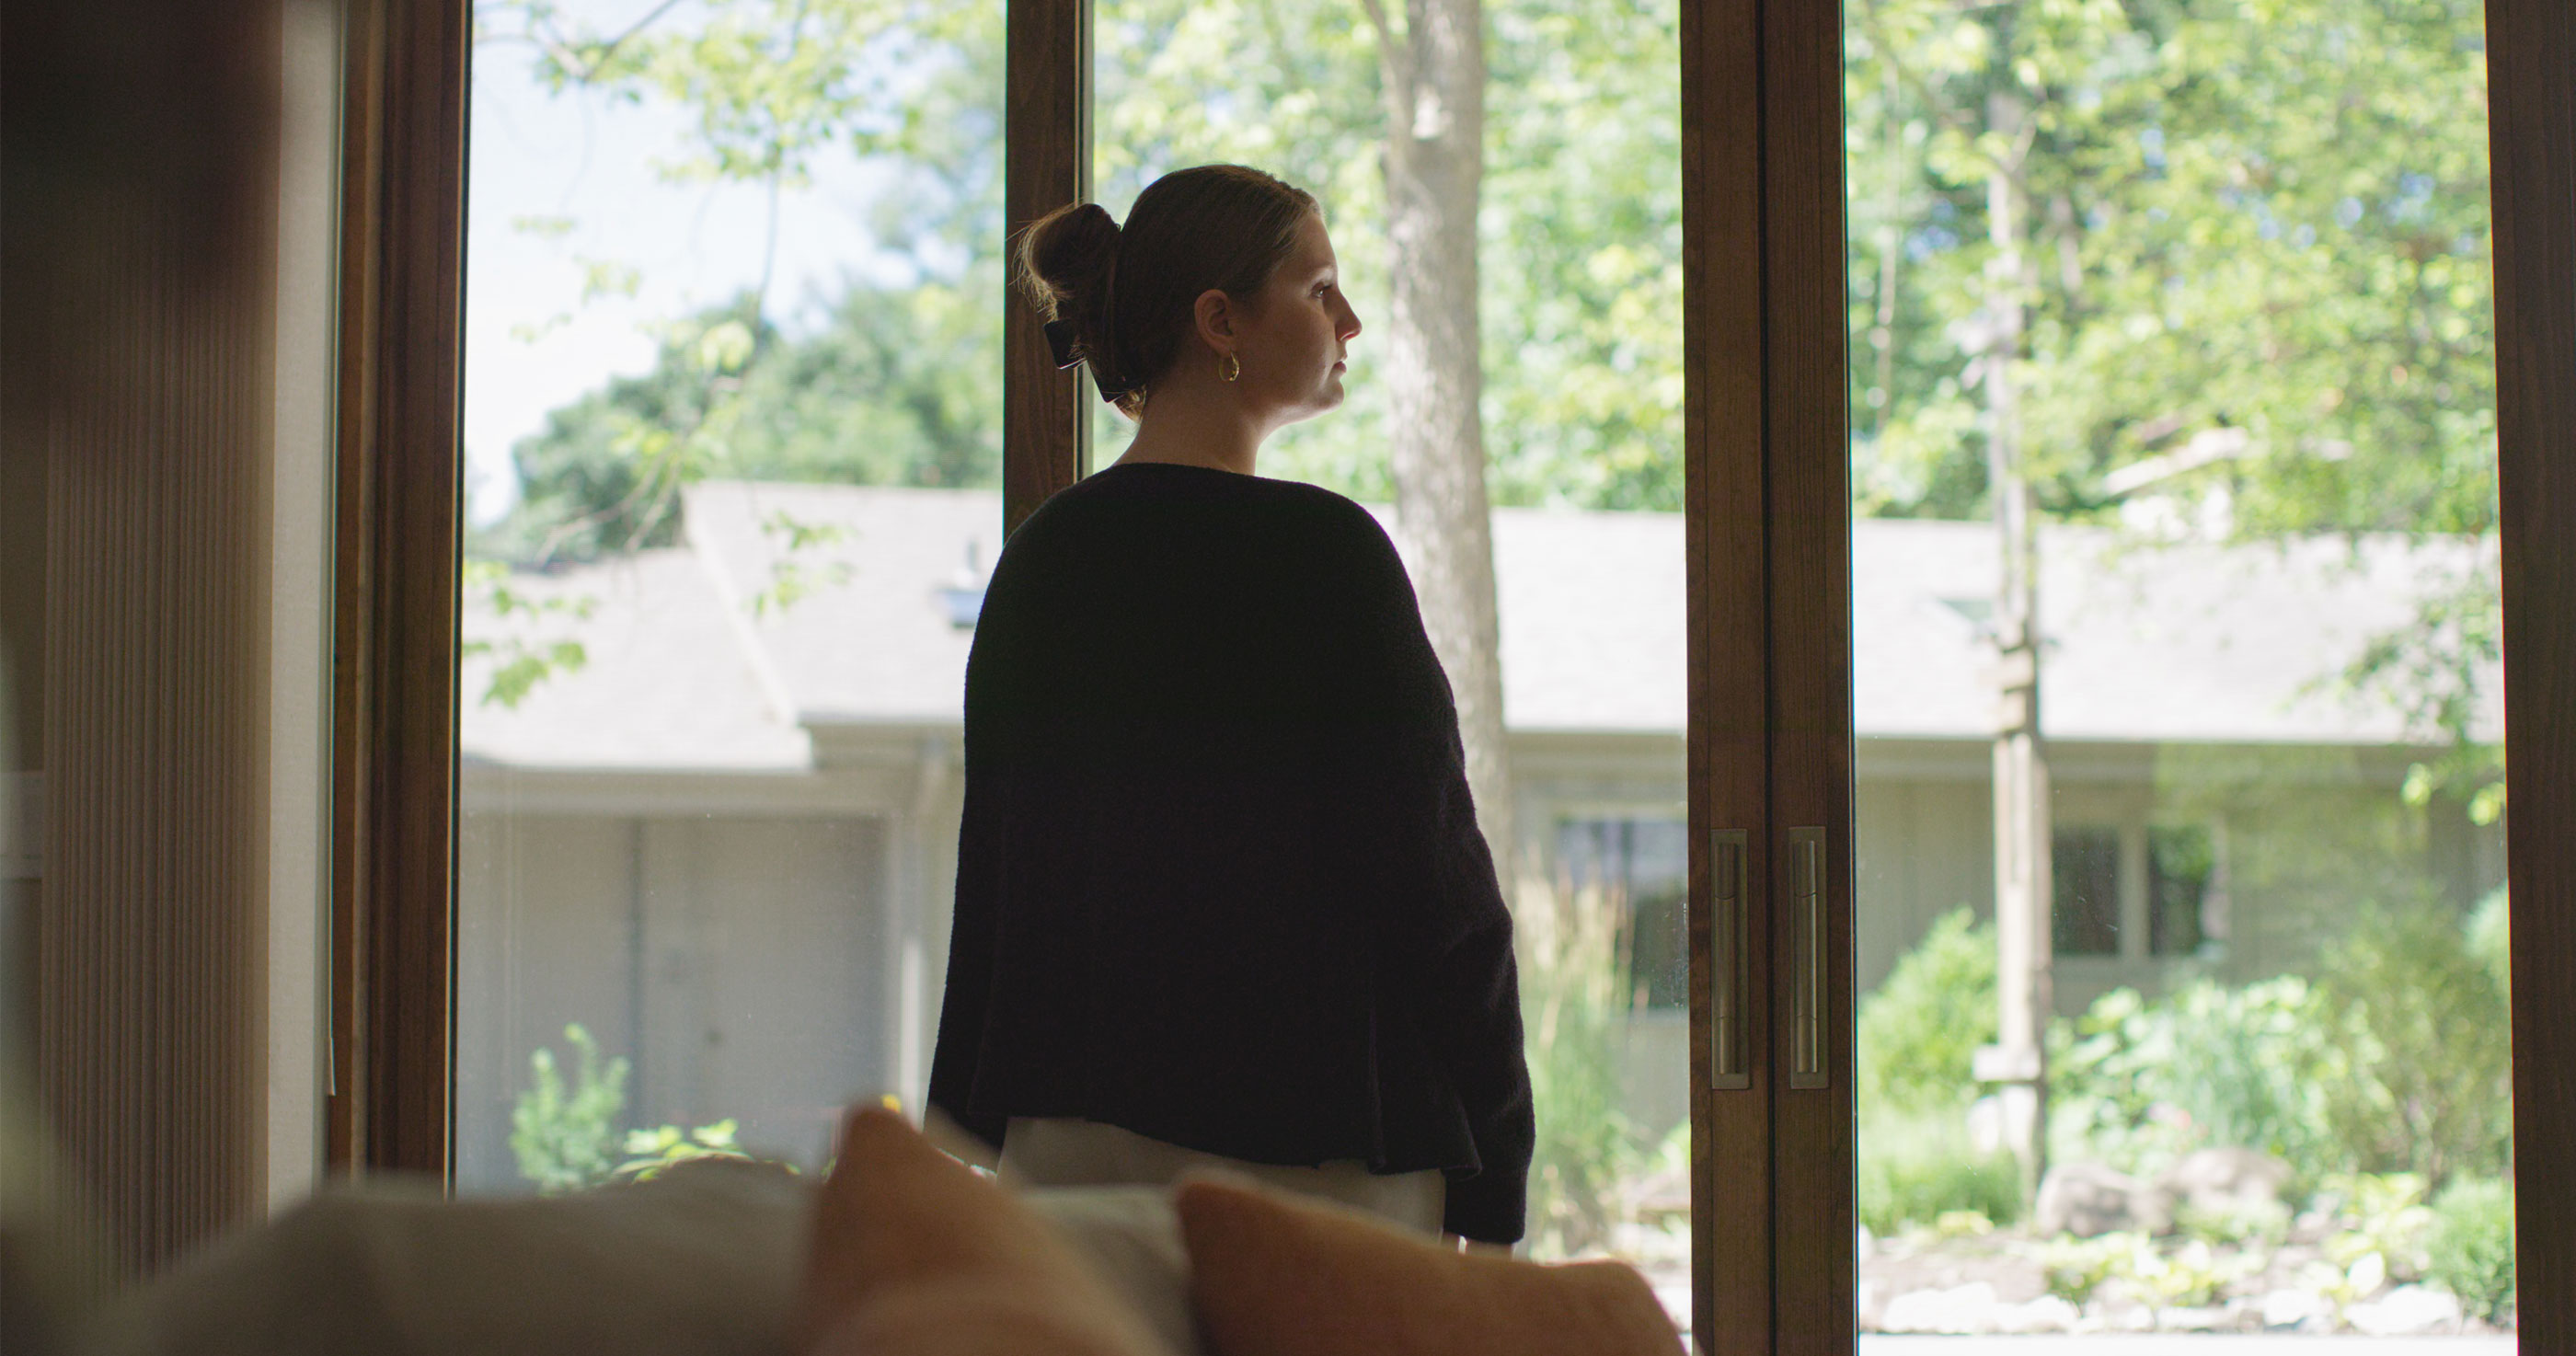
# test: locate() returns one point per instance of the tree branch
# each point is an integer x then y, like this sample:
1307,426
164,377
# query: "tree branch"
1395,71
590,68
1942,110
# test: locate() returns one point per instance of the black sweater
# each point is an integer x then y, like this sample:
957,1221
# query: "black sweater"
1219,880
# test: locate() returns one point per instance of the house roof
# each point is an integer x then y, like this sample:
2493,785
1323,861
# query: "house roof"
688,670
668,680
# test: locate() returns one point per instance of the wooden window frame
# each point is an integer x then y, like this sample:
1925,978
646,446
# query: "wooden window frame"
2531,84
400,478
1768,550
1046,164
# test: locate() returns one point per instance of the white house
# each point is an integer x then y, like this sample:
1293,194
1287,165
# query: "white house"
724,843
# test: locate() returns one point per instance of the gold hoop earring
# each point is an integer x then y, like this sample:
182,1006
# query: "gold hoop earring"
1227,369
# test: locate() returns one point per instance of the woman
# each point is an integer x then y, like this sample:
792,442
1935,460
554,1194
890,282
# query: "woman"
1220,892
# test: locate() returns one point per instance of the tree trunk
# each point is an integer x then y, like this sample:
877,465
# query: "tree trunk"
2024,888
1434,78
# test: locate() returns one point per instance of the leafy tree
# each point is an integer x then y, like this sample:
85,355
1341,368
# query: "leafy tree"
1583,255
2251,242
894,389
772,84
2267,215
2252,257
602,477
896,386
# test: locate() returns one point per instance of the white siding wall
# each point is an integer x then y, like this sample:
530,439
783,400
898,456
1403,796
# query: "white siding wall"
738,963
544,919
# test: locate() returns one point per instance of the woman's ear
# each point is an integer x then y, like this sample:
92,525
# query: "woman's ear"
1215,315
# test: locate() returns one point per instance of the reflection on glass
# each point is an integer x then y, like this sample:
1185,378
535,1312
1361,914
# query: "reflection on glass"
2182,865
2173,460
1640,871
2084,918
1578,384
733,304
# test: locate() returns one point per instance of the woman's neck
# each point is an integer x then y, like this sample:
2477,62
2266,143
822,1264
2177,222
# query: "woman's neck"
1196,423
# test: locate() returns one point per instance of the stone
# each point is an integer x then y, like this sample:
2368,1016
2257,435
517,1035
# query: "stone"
2048,1313
2088,1200
2295,1309
1969,1308
2227,1180
2185,1318
2407,1311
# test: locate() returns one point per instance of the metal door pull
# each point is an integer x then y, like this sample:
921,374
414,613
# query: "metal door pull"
1807,983
1730,970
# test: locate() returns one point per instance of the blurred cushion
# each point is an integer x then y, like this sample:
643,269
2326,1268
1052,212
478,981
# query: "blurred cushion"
704,1261
1274,1276
1130,1237
913,1254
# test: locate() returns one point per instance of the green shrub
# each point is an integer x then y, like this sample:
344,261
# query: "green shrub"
1919,1031
1918,1036
1576,1014
1914,1170
2076,1267
2193,1276
650,1153
566,1140
2136,1083
2426,1038
2258,1221
2471,1251
2396,1059
2490,939
2381,1214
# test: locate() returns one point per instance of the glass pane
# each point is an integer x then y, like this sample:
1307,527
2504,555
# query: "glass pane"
733,444
2180,816
2084,918
1578,386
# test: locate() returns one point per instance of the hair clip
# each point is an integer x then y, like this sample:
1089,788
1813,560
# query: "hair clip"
1059,337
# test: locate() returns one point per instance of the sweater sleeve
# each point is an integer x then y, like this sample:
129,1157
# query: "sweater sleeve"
963,1005
1457,944
965,1009
1472,1013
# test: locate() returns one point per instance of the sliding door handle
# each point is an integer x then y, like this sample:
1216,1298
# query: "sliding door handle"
1730,1065
1807,982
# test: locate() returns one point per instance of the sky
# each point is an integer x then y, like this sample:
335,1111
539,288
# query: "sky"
531,342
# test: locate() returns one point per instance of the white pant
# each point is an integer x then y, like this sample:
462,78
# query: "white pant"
1060,1153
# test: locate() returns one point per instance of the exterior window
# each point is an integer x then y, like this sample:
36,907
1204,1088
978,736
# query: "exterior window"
1639,869
2086,919
2180,864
